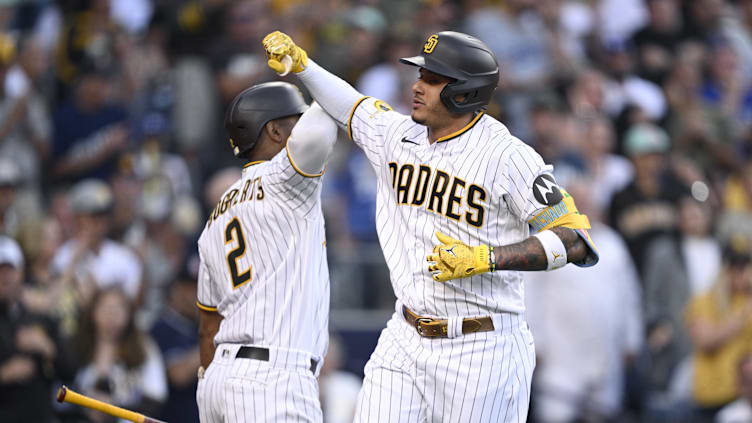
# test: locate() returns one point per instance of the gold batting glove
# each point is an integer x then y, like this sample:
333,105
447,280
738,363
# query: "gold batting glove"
453,259
278,45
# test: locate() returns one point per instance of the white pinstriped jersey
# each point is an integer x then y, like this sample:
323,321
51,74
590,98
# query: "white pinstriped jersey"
263,260
475,185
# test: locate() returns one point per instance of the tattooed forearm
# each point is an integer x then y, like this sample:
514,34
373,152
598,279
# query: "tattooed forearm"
529,254
524,255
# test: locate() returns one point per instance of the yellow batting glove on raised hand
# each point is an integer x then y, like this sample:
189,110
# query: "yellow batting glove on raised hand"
278,45
453,259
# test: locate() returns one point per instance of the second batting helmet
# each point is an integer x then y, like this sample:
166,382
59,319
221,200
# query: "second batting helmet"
253,108
465,59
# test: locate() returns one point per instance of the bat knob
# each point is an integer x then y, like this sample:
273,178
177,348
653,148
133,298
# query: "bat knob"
61,393
287,62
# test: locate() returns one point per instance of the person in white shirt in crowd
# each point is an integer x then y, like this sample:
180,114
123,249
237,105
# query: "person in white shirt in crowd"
587,324
90,255
624,88
675,271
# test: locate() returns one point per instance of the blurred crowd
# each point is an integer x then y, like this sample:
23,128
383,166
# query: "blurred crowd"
112,152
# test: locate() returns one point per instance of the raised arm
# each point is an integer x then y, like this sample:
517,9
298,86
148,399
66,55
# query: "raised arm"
312,140
336,96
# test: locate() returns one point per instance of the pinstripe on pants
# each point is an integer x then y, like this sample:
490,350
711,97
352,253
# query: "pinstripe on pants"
480,377
247,390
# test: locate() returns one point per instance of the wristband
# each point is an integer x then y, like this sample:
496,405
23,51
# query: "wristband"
556,253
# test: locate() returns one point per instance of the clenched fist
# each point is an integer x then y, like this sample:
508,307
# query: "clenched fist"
278,45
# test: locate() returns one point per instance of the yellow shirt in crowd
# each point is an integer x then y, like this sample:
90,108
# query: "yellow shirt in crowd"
715,372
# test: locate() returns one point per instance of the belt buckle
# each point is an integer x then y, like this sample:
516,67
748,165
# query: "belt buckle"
419,328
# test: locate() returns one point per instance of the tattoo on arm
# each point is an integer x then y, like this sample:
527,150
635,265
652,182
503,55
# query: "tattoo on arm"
524,255
529,254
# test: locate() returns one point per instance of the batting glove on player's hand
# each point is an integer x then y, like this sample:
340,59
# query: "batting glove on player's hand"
453,259
277,46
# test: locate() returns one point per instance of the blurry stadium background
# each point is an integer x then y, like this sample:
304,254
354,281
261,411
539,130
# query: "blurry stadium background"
112,153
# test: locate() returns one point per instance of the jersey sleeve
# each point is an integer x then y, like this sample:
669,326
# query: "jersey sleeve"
528,183
368,123
208,293
291,186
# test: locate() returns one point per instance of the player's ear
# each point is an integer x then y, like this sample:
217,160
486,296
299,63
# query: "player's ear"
279,130
274,131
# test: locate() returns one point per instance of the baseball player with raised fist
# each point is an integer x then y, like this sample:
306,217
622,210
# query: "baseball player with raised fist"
457,195
263,284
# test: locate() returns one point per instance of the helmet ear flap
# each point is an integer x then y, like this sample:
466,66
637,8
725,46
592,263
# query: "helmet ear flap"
475,97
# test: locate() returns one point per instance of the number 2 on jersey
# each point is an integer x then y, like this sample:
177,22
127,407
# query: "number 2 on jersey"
235,231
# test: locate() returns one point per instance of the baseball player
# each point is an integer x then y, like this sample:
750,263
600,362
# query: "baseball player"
457,348
263,284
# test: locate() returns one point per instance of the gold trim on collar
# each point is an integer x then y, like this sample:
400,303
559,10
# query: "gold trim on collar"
463,130
253,163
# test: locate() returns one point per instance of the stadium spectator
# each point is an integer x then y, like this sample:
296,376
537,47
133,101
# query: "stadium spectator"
658,40
119,363
675,271
128,92
90,38
159,244
26,123
624,87
647,207
90,256
726,91
31,354
597,162
237,59
720,326
585,330
90,129
737,29
176,333
516,34
388,80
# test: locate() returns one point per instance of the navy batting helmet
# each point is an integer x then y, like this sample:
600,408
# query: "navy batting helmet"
465,59
254,107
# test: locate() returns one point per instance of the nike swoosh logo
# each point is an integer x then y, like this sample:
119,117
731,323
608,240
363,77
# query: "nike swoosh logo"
404,139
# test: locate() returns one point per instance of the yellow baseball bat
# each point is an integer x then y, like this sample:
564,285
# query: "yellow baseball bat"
66,395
